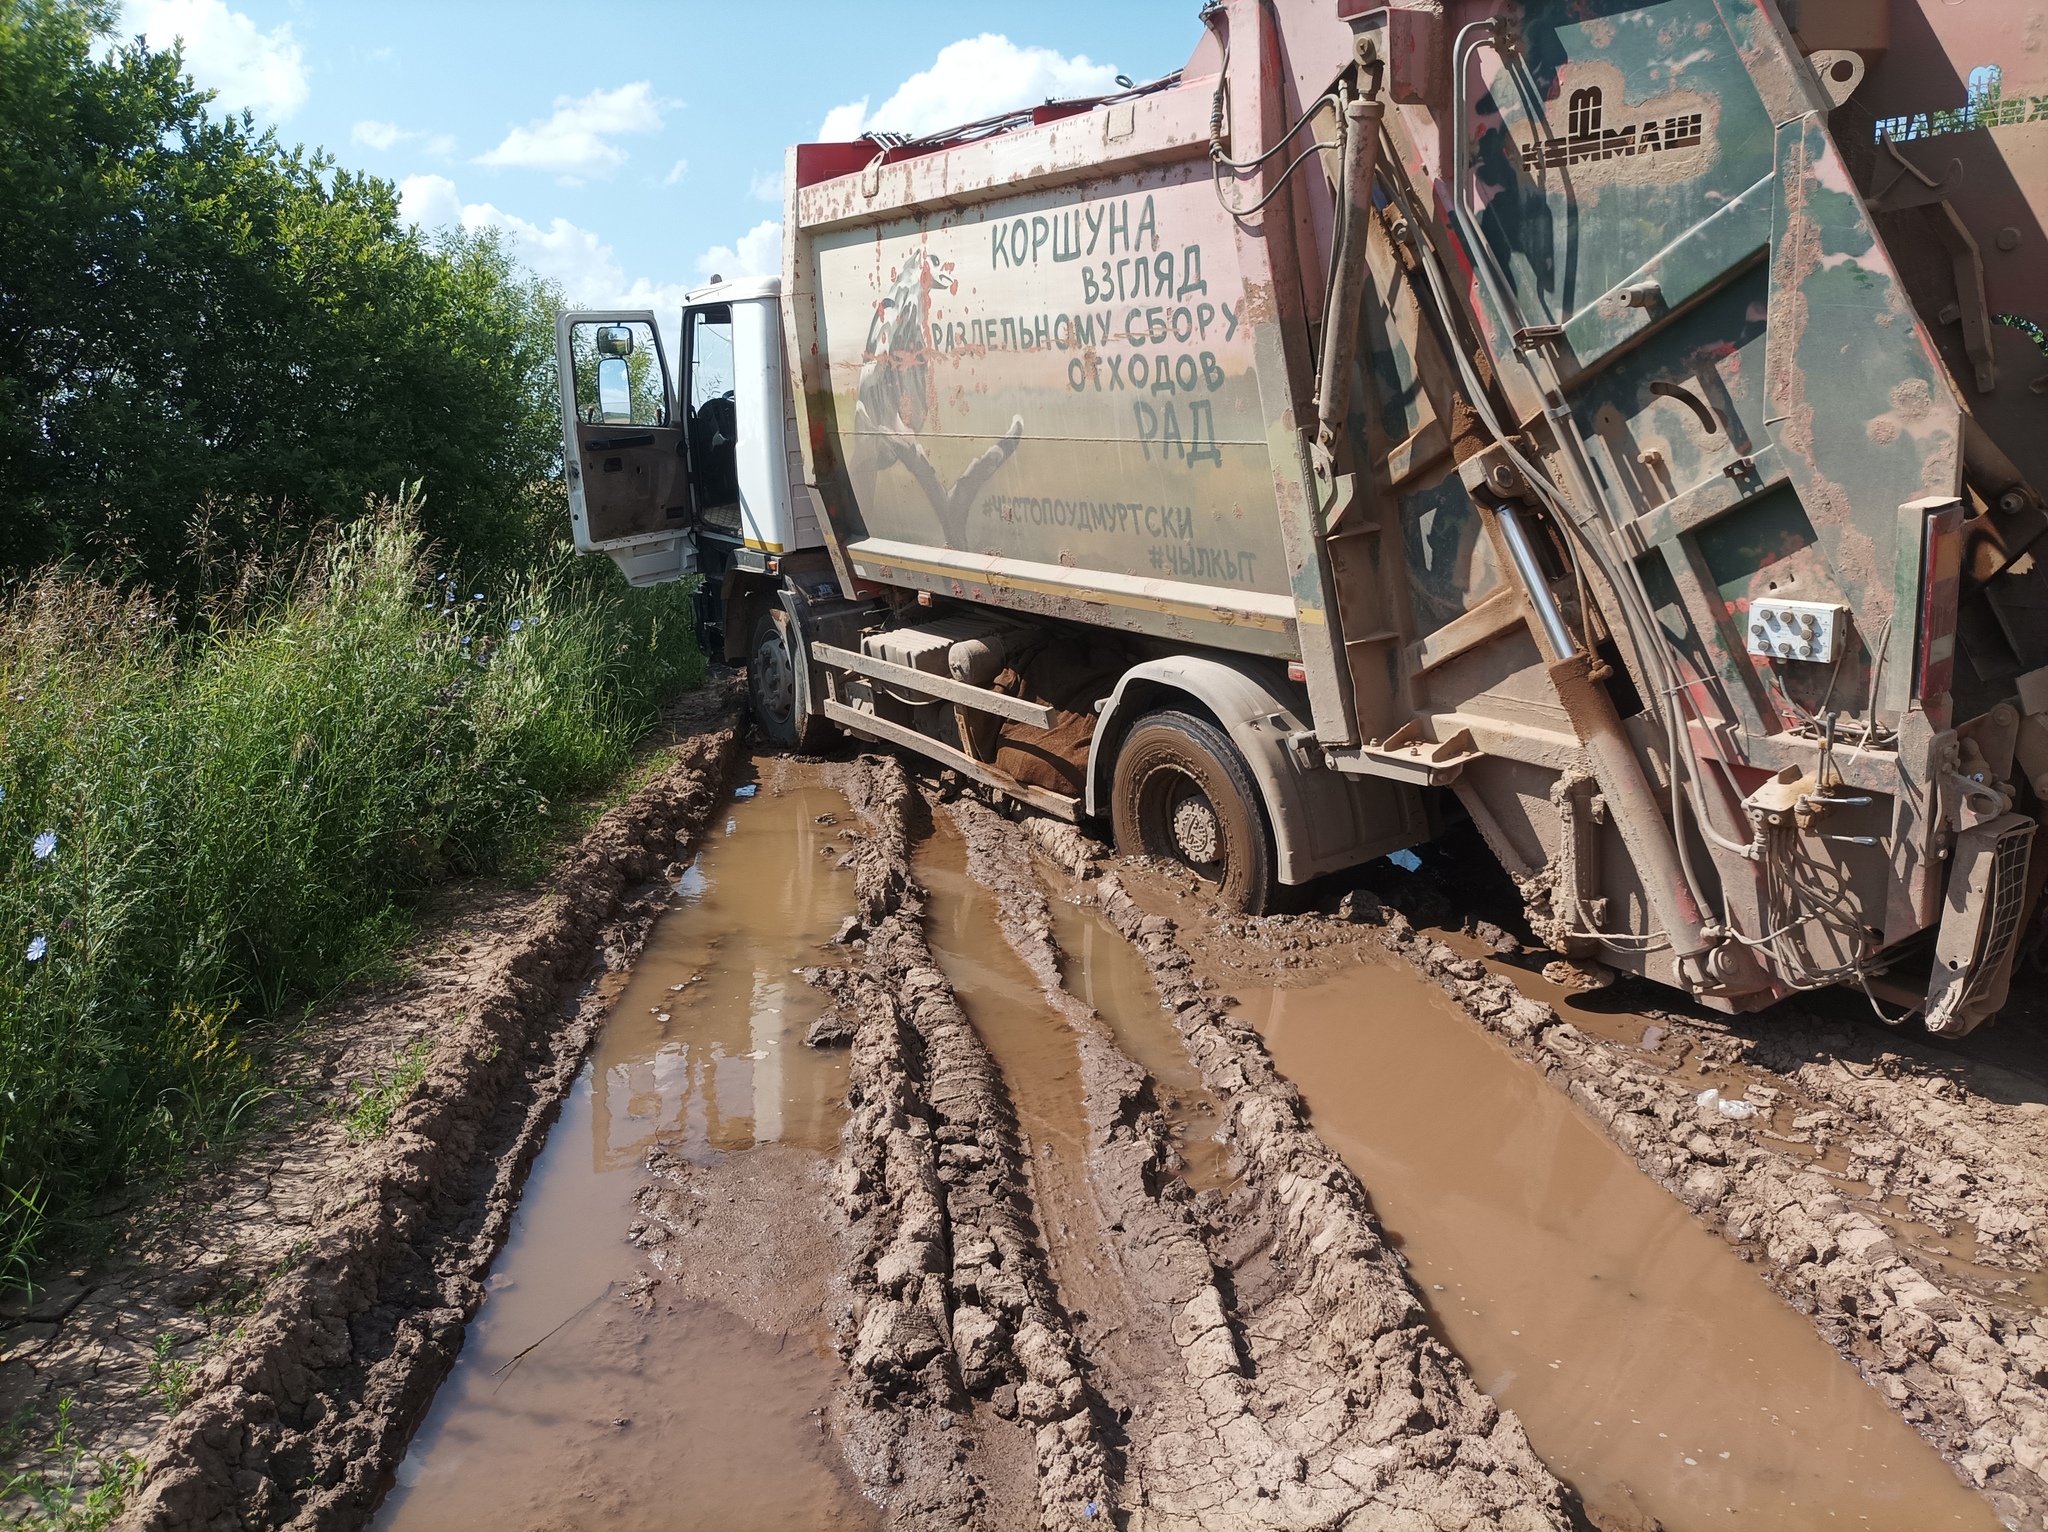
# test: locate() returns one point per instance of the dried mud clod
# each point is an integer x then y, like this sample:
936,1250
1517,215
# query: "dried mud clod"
301,1417
1962,1355
1305,1389
948,1287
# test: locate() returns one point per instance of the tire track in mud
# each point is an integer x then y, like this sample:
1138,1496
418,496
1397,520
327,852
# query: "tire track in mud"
1962,1360
1313,1390
1293,1384
1961,1353
301,1418
950,1295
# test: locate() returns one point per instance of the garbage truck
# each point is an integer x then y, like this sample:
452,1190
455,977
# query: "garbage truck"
1624,425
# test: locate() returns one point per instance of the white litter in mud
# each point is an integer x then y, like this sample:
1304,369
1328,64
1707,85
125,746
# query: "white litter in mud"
1728,1106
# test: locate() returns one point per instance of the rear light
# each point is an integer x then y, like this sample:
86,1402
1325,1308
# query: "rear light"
1296,671
1941,569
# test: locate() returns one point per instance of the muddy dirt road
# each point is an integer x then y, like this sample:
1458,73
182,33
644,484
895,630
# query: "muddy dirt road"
927,1167
1079,1274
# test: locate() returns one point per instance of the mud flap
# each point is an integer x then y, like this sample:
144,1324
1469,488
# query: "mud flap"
1980,924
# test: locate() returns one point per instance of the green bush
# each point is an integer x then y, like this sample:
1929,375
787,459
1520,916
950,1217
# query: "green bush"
211,343
200,825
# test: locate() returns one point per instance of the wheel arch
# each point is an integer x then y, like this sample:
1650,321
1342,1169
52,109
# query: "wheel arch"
1320,820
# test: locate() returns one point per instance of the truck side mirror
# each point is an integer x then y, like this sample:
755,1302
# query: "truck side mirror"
614,340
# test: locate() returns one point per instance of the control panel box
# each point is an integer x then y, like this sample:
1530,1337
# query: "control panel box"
1796,630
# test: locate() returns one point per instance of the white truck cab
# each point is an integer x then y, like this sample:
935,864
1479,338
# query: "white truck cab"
692,470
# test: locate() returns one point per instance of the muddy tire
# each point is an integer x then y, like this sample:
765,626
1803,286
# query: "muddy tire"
771,687
1182,792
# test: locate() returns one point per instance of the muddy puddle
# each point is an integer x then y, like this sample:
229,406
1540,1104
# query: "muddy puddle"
1031,1043
1953,1248
1652,1368
586,1396
1102,970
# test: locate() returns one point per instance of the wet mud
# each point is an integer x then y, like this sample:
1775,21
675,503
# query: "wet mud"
962,1359
1104,973
656,1323
1771,1160
930,1168
1962,1356
1296,1383
1650,1367
372,1256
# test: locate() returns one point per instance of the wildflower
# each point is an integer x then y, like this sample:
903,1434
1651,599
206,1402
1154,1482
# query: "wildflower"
37,947
517,625
478,596
45,845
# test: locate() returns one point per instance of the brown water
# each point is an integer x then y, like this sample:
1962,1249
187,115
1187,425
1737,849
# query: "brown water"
1038,1051
1104,972
1652,1368
1954,1250
701,1403
1033,1045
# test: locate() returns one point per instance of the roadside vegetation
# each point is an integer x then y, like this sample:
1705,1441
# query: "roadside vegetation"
200,827
287,634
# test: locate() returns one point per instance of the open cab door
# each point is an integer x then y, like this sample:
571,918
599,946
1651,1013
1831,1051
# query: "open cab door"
623,449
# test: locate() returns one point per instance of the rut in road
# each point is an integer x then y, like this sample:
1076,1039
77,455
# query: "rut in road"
1290,1380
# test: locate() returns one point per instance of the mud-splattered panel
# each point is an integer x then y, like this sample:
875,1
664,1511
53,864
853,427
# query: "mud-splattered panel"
1605,139
1065,379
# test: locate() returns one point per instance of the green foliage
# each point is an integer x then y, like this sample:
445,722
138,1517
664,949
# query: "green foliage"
211,344
170,1375
237,816
74,1493
374,1101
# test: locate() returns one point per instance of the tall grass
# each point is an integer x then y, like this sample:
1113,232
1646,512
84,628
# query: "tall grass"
198,828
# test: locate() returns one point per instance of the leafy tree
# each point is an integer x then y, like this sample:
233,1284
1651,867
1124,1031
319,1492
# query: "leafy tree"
211,344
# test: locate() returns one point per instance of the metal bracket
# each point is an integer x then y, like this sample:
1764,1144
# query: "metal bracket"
1839,70
1909,186
938,688
1408,755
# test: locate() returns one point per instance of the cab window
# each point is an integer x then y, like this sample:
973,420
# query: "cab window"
618,375
713,422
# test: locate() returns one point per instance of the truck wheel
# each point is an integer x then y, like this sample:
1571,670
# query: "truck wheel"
1181,791
771,685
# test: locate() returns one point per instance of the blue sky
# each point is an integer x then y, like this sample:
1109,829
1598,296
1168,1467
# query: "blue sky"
631,149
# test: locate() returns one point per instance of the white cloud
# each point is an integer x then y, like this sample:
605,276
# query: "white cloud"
576,141
224,52
765,188
843,124
676,172
575,258
758,253
974,78
441,145
379,135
